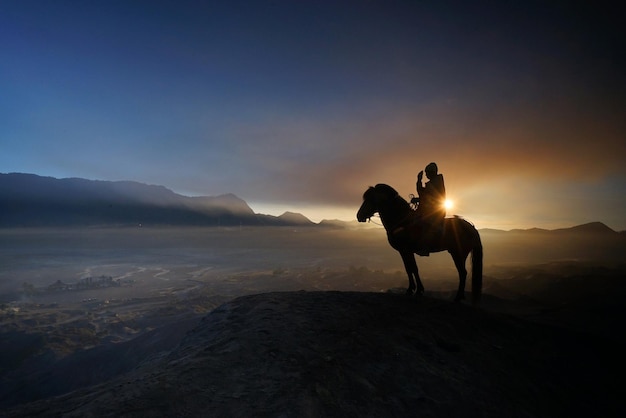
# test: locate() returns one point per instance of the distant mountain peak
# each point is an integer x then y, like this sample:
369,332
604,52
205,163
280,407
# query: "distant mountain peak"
589,228
295,218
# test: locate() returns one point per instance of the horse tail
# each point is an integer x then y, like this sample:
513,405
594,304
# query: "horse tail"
477,267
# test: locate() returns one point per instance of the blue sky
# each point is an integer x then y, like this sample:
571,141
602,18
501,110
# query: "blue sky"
302,105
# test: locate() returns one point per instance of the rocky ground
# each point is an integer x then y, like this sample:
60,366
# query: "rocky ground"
331,353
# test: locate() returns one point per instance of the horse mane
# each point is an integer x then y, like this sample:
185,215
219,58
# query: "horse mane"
391,193
386,189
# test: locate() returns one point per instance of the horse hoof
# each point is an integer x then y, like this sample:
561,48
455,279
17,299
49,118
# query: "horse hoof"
409,292
459,299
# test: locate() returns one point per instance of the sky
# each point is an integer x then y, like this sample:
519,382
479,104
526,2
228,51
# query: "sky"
301,105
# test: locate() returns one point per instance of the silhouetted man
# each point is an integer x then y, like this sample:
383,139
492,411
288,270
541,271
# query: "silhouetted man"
431,198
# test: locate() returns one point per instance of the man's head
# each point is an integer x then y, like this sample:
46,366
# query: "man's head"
431,170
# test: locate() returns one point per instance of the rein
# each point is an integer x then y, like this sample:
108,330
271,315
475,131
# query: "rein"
375,223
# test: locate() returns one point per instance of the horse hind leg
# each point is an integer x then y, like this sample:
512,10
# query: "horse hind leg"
459,262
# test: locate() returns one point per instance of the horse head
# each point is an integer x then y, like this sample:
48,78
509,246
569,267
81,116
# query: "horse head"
373,199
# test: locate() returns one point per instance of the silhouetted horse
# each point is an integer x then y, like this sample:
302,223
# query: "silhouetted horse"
459,238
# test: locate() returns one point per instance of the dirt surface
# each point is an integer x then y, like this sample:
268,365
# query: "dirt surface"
355,354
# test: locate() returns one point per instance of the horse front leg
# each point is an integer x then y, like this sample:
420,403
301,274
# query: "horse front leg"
415,284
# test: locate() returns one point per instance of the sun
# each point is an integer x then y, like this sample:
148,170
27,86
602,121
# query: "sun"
448,204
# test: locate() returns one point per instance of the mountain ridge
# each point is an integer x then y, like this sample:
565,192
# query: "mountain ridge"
32,200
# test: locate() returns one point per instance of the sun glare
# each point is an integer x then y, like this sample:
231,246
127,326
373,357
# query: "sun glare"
448,204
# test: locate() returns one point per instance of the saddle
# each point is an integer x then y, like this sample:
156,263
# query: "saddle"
422,237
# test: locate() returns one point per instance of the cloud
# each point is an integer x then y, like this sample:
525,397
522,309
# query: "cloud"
330,158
